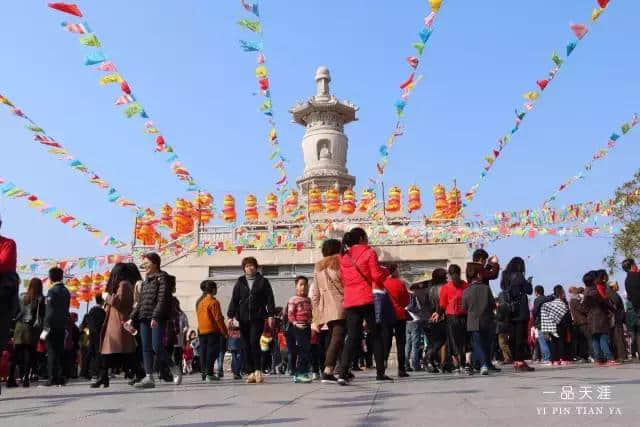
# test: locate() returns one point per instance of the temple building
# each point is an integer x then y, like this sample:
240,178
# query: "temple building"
325,149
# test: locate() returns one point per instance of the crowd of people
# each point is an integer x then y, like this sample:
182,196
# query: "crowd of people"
341,321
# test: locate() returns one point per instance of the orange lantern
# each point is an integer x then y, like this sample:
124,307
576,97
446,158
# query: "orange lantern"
84,293
333,200
315,200
146,230
271,210
414,199
229,208
203,203
454,203
441,205
367,201
250,208
291,202
395,199
166,216
182,218
348,202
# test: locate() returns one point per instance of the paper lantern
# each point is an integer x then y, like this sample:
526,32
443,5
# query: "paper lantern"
315,200
271,208
84,292
291,202
454,203
73,284
166,216
395,200
182,218
414,199
73,302
367,201
250,208
146,231
348,202
441,205
333,200
229,208
203,212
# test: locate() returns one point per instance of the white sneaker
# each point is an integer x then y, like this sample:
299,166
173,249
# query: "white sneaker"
177,375
314,377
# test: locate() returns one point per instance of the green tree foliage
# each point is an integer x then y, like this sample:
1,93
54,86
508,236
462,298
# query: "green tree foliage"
627,242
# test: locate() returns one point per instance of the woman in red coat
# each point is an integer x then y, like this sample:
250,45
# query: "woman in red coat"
399,295
361,273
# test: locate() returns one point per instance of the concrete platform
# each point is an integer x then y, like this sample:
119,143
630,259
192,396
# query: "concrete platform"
505,399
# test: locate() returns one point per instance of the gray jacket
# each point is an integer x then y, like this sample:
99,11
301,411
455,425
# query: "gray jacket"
478,300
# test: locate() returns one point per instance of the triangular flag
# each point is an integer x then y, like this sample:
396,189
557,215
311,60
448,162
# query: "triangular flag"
542,83
94,58
579,30
596,14
435,5
429,19
90,40
71,9
570,47
419,46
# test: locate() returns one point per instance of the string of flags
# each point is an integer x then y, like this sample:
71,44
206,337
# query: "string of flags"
598,155
407,86
531,97
55,148
41,265
254,25
12,191
132,107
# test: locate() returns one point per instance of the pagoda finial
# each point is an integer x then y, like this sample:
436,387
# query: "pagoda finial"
323,77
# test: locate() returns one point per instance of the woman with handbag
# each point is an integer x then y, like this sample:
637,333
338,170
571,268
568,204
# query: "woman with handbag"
361,273
28,327
117,346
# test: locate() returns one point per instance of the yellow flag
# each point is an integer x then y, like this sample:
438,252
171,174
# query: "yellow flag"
435,5
5,101
111,78
531,95
261,71
596,14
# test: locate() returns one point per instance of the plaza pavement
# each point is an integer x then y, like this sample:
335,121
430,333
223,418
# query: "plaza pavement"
505,399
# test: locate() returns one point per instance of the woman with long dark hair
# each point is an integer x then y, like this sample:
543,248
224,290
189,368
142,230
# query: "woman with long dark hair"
516,289
28,327
117,346
361,273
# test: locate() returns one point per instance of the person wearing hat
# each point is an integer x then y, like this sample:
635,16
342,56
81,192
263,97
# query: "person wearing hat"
9,283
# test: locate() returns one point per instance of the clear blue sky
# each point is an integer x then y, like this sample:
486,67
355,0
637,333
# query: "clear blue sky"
185,65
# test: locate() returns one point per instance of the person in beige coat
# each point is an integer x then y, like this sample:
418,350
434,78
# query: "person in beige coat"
327,296
117,346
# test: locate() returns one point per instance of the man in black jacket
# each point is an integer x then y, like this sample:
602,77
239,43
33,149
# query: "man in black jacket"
93,321
55,323
537,305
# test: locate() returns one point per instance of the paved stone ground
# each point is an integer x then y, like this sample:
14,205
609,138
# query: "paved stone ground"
505,399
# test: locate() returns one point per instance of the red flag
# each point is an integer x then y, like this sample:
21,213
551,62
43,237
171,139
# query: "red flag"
239,249
299,246
125,88
603,3
542,83
407,82
589,231
71,9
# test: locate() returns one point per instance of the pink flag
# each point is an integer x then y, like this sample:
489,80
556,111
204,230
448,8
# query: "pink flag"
107,66
428,20
260,58
124,99
579,30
